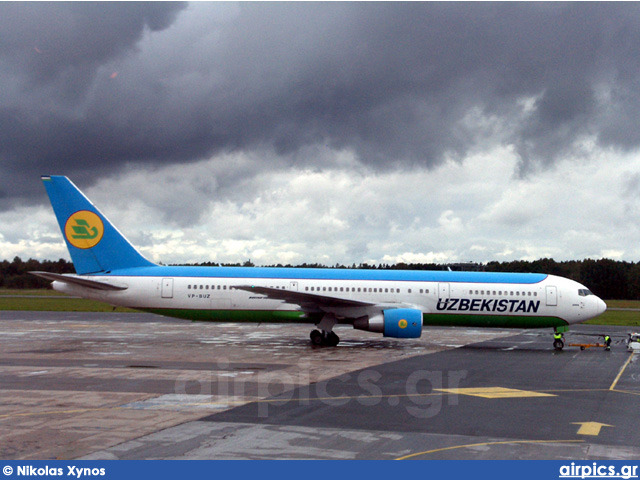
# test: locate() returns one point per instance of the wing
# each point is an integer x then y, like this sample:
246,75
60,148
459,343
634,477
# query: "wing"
302,298
312,302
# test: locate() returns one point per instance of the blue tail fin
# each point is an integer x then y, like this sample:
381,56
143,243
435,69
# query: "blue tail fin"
94,243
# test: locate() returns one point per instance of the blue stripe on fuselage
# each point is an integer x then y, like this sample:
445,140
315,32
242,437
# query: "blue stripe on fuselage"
331,274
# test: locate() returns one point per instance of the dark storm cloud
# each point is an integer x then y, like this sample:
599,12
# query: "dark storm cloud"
50,53
48,41
399,84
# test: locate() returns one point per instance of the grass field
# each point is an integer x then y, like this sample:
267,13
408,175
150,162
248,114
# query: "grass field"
52,301
33,292
617,317
623,303
627,318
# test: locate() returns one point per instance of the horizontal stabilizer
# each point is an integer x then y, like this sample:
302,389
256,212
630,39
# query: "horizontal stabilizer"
73,280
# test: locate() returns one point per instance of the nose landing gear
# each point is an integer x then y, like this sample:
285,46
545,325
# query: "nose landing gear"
558,340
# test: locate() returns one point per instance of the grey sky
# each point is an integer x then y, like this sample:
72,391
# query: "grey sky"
332,132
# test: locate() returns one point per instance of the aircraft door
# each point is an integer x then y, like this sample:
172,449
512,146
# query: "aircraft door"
443,290
293,286
552,296
167,288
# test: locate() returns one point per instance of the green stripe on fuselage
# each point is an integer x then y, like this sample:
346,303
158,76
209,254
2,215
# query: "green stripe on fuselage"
428,319
494,321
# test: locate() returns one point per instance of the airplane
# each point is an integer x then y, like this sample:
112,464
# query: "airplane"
394,303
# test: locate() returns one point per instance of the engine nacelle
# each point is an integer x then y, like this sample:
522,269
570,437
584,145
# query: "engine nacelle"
396,323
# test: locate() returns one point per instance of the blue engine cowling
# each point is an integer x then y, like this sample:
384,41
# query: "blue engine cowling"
396,322
402,323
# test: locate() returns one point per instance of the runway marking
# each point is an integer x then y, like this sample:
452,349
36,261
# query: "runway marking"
495,392
427,452
627,392
590,428
624,367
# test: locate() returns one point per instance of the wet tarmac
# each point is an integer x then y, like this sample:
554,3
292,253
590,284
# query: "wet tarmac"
138,386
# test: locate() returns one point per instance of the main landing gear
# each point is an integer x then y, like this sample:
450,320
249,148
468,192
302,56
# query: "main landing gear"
325,335
329,339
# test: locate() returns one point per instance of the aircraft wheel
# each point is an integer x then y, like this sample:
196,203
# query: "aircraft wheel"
558,344
316,337
332,339
581,348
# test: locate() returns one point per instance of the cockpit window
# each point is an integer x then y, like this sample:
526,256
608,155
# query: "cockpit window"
583,292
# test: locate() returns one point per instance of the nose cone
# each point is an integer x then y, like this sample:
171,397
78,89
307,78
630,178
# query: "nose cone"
601,307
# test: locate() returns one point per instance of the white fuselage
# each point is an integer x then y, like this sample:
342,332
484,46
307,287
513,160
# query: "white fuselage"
553,301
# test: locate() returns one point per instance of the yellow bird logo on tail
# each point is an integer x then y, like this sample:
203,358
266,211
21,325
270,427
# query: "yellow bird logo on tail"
84,229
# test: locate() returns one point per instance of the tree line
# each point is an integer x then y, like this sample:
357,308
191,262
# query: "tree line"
609,279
